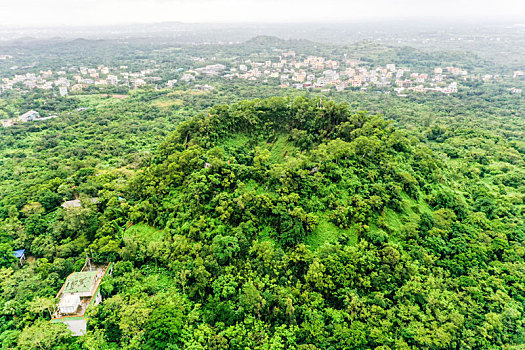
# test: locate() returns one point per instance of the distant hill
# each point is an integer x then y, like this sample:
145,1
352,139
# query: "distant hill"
266,41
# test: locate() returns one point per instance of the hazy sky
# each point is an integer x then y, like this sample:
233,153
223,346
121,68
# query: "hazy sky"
95,12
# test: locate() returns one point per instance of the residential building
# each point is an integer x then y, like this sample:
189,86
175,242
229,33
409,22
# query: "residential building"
29,116
357,81
77,87
112,80
80,292
171,83
187,77
519,75
138,83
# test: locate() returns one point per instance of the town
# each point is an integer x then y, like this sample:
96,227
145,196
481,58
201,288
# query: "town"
284,69
329,184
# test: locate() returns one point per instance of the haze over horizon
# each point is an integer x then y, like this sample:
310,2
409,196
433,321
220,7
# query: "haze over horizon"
35,13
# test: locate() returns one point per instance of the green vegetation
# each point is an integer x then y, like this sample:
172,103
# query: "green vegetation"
253,218
297,223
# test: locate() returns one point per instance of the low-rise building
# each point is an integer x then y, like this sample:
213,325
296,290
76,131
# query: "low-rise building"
187,77
112,80
80,292
29,116
171,83
77,87
63,91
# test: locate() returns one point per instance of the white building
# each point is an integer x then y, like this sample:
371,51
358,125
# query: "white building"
171,83
63,91
80,292
29,116
187,77
112,80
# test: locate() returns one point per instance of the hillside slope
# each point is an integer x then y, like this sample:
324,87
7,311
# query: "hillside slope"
301,224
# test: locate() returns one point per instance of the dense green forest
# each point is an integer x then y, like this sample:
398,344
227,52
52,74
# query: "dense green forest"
250,214
277,223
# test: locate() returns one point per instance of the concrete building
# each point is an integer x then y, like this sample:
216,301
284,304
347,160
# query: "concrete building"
80,292
63,91
29,116
187,77
112,80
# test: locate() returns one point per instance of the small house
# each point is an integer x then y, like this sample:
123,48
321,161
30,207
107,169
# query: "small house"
80,292
29,116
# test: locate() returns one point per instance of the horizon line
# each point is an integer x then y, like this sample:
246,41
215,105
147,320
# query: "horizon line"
414,19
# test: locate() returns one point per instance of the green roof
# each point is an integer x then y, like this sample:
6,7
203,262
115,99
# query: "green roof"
79,282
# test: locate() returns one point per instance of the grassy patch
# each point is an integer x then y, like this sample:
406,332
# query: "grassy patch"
144,232
96,100
167,103
238,141
281,149
393,220
327,232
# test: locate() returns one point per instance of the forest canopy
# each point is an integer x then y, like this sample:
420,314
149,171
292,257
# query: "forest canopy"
280,223
301,223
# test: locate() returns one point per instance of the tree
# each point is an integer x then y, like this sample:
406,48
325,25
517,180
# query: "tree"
44,335
6,255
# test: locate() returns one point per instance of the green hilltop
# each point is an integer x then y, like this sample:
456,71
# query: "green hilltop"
302,224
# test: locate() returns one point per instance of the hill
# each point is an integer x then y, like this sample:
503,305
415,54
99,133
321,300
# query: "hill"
302,224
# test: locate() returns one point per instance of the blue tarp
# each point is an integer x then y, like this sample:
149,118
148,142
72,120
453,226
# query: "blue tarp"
19,253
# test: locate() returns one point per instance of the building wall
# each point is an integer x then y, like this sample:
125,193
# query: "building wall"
78,327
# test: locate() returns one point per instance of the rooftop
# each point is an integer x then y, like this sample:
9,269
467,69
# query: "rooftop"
19,253
79,282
